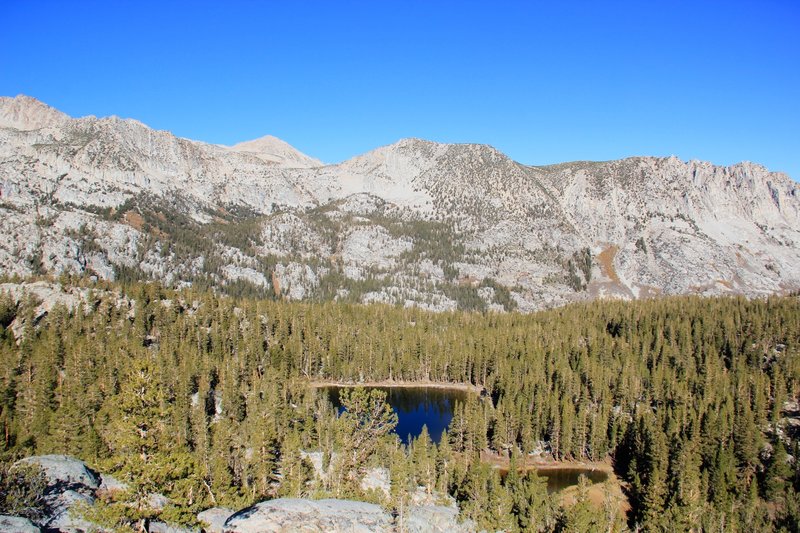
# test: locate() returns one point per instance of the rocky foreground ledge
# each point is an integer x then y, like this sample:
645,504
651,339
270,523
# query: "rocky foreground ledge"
70,483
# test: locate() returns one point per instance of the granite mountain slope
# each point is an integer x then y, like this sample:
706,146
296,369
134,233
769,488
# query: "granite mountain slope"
414,223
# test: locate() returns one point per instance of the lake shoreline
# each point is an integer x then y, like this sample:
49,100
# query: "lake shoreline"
392,384
598,492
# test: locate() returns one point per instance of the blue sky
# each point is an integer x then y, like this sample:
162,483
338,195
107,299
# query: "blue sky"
543,82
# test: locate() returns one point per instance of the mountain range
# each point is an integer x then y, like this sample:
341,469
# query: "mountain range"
440,226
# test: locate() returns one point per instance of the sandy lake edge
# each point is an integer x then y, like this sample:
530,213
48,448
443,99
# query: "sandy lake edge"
389,384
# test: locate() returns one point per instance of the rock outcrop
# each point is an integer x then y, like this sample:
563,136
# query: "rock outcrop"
111,485
291,514
62,517
70,483
162,527
435,519
64,472
213,519
331,515
16,524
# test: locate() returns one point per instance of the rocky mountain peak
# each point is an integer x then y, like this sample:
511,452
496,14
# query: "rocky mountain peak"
27,113
273,150
413,146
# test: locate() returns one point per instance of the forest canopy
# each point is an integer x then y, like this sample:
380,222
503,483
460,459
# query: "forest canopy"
205,399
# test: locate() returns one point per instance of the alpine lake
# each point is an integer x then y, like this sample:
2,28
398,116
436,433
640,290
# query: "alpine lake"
433,407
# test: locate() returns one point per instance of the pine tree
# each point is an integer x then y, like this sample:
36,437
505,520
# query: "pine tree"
582,517
402,486
366,420
297,474
533,508
423,458
144,456
778,473
444,463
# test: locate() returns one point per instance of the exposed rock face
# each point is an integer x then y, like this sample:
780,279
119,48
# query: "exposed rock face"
377,479
110,485
26,113
69,482
275,151
434,513
290,514
46,297
435,519
161,527
64,471
215,518
414,223
296,279
16,524
157,501
61,518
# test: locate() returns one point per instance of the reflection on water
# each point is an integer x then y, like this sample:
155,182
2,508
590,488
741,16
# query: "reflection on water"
561,478
415,407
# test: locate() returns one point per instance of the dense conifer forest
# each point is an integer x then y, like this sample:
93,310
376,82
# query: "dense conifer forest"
205,399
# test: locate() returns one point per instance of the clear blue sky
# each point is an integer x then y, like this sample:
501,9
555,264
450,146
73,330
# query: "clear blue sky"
545,83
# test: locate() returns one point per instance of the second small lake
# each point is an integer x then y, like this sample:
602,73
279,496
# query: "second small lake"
561,478
415,407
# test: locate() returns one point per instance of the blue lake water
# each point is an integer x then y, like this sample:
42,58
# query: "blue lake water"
433,407
416,407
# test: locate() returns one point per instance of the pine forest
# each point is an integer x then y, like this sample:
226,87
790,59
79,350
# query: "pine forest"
206,399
